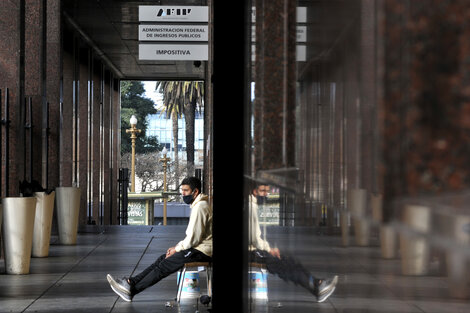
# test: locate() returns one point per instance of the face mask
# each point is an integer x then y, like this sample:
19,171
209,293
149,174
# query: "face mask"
188,199
261,199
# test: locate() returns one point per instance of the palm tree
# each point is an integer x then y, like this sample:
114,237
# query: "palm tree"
173,109
186,97
194,99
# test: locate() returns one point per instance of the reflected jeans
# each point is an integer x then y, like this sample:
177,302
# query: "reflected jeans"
287,268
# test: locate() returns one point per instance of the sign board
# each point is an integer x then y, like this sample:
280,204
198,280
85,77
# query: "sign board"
167,32
301,33
300,53
174,52
136,212
301,14
268,214
173,13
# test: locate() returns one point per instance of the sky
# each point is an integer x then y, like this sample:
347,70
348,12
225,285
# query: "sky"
151,93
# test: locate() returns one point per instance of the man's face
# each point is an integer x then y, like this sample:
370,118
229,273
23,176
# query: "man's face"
262,191
185,190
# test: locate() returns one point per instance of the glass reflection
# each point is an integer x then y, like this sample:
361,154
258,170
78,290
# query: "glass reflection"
357,126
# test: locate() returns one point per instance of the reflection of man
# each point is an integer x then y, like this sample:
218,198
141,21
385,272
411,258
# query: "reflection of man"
276,263
195,247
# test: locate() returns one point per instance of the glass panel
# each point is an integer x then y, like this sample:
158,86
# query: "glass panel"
358,136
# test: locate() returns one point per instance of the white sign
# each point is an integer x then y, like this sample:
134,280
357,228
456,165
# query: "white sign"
173,33
300,53
174,52
301,14
301,33
173,13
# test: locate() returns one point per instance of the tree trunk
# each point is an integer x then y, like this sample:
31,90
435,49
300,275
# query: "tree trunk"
189,113
174,117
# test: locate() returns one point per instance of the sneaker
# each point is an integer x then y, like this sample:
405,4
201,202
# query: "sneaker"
324,288
121,287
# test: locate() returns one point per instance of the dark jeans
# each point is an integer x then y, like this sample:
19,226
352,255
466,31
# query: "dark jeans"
163,267
287,268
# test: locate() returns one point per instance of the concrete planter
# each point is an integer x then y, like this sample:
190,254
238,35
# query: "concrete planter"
414,250
456,228
43,224
18,225
357,204
387,235
68,207
388,242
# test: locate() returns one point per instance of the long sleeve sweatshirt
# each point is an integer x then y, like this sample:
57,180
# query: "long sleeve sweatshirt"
256,242
199,230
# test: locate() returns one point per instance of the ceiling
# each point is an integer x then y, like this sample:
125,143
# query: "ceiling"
111,27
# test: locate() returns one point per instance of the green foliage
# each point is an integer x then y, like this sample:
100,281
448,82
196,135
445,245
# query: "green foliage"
134,103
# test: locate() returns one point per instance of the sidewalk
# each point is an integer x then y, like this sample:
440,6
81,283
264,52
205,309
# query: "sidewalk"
73,278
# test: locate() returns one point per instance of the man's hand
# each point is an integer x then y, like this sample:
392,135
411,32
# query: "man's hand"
170,252
275,252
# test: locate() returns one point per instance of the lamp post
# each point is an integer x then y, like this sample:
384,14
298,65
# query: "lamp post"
133,131
165,161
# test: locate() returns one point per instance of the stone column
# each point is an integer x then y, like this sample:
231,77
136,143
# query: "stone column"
95,138
11,49
83,137
35,80
115,143
108,179
274,110
424,112
53,88
66,178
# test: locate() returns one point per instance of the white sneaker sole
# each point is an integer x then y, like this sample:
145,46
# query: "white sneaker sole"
115,287
329,292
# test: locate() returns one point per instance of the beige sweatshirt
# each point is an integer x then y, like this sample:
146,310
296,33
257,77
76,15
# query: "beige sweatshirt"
199,230
255,240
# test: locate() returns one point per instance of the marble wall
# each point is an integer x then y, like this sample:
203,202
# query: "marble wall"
43,61
426,110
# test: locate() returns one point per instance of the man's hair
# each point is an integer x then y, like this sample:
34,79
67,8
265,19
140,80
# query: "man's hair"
255,185
193,182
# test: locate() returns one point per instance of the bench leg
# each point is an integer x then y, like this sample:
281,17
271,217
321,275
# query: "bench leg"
180,284
209,280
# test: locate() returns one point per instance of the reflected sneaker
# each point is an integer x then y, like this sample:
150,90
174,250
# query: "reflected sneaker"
121,287
323,288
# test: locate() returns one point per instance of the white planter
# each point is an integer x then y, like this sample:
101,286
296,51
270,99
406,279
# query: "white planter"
43,224
18,224
68,207
357,204
415,250
388,242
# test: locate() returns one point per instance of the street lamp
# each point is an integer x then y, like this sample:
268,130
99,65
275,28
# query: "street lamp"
165,161
133,131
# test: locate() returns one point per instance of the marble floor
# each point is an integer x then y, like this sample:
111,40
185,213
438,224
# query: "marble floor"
73,278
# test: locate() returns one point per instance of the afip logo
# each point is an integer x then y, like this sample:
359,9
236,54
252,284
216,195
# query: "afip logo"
173,12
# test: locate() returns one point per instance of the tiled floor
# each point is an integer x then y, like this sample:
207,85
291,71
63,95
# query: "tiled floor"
73,278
